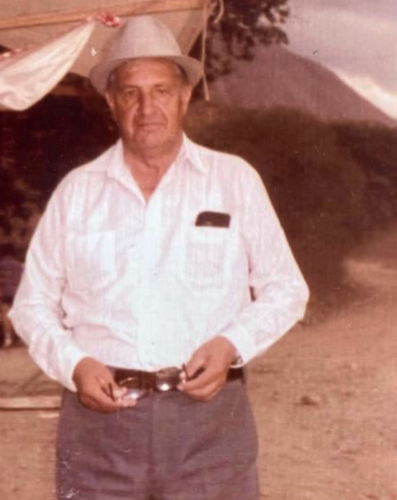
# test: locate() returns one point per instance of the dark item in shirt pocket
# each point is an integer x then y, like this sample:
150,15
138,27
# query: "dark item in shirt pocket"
213,219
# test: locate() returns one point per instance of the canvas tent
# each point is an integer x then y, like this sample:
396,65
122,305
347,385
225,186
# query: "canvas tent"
48,38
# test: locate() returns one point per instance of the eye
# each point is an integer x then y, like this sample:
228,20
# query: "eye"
130,93
162,91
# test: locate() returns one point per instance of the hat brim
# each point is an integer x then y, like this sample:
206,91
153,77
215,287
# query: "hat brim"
99,74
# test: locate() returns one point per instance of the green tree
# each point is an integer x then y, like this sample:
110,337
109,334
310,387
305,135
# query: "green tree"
234,33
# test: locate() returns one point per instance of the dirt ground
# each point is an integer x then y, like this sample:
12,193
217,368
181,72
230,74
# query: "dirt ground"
324,398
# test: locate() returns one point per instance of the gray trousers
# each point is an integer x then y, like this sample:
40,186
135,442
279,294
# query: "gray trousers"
168,447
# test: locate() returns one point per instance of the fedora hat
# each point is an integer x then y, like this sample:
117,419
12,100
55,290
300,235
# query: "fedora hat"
143,36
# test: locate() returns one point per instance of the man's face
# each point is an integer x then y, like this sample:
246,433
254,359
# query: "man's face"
149,98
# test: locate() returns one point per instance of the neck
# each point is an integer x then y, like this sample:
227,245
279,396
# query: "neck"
160,158
149,166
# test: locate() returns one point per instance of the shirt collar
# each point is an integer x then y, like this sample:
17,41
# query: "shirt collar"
192,155
116,166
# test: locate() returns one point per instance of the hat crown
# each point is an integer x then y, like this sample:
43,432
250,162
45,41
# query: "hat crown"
143,36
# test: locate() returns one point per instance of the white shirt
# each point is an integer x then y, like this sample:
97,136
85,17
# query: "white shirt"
138,285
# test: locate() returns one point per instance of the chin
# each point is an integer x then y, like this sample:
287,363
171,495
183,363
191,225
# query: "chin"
156,140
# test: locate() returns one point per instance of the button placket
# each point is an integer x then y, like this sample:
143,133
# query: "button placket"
151,255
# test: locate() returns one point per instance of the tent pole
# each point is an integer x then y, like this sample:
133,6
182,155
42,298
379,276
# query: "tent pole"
126,9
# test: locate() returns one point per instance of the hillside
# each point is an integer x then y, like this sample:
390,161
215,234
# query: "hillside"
332,183
278,77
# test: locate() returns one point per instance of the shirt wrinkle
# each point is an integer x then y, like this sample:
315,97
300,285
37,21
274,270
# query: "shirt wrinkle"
141,285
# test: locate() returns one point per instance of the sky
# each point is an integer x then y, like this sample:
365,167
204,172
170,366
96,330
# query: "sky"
357,39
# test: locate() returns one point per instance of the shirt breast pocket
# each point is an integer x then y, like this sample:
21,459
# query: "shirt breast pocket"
206,259
91,260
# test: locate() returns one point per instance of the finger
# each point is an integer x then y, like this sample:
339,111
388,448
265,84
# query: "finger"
100,398
106,386
104,377
206,393
110,387
195,365
108,405
211,372
205,385
115,392
200,381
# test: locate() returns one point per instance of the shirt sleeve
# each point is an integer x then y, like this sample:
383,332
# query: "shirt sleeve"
37,313
279,289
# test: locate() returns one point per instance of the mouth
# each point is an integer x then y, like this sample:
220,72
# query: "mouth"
149,125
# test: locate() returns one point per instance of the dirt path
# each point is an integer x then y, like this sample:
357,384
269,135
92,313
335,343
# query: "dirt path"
324,397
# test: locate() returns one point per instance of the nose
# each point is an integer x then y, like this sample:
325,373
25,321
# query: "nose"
146,104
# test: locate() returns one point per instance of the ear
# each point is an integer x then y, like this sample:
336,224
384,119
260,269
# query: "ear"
110,100
186,96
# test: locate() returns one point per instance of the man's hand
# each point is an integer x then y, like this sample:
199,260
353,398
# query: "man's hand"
97,389
211,362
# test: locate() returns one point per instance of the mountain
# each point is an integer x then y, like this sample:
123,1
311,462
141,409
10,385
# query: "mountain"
278,77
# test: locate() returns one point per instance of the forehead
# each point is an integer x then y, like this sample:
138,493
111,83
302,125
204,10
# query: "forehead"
139,71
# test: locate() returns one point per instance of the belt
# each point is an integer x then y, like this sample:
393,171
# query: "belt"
141,383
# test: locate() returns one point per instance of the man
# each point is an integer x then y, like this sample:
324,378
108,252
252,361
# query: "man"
136,295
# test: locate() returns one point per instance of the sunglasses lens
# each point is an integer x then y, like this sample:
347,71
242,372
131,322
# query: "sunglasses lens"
167,379
136,393
132,392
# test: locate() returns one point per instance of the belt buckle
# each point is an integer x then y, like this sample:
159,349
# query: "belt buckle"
167,379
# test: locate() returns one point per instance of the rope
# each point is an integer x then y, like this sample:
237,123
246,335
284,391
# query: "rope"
220,12
204,52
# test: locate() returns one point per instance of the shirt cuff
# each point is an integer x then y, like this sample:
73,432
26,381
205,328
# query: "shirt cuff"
70,357
243,343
